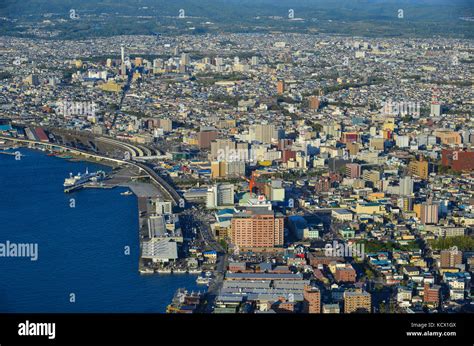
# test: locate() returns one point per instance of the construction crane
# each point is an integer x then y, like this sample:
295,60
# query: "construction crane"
251,181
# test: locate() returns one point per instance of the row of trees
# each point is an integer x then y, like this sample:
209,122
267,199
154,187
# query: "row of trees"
461,242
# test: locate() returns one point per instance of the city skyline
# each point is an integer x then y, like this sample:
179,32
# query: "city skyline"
294,158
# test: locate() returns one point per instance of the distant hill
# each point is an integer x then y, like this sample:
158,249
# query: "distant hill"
421,18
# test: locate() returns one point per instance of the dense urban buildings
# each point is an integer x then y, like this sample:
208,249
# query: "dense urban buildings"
293,171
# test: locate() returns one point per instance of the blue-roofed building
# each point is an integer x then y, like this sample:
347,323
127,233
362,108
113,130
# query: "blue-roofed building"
204,172
5,125
448,276
210,256
224,216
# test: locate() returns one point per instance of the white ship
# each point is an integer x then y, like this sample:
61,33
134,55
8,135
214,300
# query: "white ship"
203,280
80,179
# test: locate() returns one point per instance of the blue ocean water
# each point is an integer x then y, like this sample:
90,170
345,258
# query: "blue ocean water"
80,250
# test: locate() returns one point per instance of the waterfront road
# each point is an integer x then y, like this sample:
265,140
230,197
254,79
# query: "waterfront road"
216,284
154,177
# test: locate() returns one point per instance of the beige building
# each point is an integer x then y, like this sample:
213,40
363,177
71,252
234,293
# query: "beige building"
357,301
257,228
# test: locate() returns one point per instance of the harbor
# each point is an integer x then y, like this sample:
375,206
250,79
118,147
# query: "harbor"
77,182
102,223
147,194
163,251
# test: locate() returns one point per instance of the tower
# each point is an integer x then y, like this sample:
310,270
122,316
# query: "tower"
123,70
435,104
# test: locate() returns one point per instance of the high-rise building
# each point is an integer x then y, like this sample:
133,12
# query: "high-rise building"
185,59
223,149
257,228
217,169
357,301
312,300
435,109
314,102
276,190
160,249
265,133
221,169
123,69
235,168
420,168
205,138
353,170
371,176
220,195
402,141
450,258
156,206
280,87
427,212
219,61
157,66
32,80
406,203
332,129
406,186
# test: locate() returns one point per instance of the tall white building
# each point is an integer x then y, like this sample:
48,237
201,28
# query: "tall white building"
220,195
265,133
406,186
403,141
185,59
158,207
435,109
160,249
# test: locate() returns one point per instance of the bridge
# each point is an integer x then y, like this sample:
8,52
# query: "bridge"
155,157
132,149
175,197
60,147
154,177
135,150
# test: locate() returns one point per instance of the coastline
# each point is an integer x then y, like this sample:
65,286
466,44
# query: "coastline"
160,285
